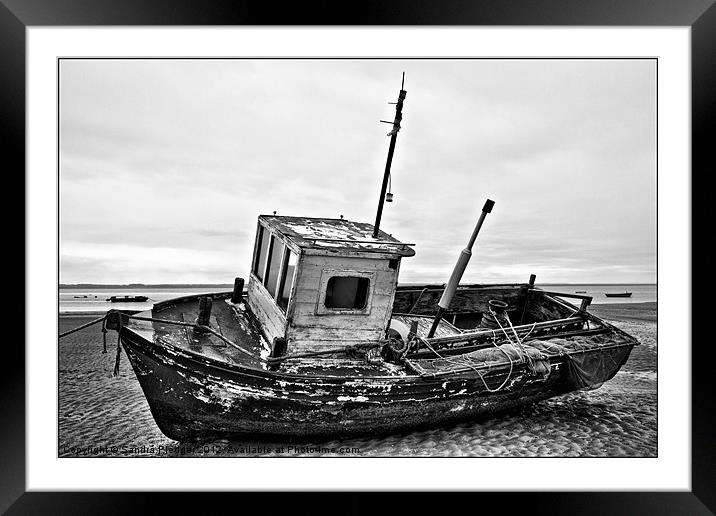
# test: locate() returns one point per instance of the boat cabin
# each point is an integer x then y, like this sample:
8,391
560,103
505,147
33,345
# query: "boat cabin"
323,283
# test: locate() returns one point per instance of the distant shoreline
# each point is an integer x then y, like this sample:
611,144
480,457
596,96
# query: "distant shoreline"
616,311
646,311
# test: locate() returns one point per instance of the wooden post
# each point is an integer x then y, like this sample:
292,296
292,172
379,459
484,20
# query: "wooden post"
530,286
205,303
280,345
585,304
278,349
238,292
411,335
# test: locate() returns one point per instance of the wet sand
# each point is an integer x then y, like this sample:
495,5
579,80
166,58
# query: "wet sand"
625,311
103,416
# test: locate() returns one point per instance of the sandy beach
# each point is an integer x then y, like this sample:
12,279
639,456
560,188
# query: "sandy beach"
101,416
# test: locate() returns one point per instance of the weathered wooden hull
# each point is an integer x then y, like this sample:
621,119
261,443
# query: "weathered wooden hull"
194,398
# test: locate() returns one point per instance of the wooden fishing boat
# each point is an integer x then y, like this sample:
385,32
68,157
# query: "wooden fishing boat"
617,294
127,299
325,342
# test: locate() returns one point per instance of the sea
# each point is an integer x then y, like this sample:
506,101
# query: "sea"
94,298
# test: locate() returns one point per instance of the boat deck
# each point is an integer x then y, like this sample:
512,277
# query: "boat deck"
236,323
229,320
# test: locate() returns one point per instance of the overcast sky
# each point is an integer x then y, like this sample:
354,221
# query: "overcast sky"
165,165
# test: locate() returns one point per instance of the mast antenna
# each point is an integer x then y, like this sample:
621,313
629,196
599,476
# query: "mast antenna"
391,149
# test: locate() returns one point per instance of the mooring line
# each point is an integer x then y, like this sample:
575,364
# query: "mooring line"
82,327
163,321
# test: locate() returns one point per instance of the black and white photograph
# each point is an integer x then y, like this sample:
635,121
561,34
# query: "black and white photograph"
332,258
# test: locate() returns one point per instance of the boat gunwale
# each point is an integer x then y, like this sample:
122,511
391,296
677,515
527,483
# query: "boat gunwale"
263,373
592,317
410,375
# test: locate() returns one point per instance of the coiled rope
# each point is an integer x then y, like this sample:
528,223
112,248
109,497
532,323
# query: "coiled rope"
463,362
517,345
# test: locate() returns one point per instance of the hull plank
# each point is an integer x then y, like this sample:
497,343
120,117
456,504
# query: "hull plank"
200,406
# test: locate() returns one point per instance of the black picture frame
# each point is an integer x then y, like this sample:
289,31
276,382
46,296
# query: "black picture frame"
699,15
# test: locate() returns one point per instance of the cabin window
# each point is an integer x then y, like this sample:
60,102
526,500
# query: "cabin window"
262,244
347,292
273,266
289,270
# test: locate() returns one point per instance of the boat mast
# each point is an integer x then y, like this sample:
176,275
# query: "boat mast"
393,136
459,270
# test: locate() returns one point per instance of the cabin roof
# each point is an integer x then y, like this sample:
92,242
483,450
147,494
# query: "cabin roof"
335,235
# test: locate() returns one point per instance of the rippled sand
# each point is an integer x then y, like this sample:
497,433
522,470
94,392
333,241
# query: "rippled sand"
100,415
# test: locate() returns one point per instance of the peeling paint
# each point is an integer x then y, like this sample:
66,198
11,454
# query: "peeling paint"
458,407
352,398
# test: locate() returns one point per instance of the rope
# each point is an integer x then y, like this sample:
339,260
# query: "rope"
468,364
82,327
119,347
346,349
193,325
534,324
104,335
528,359
517,346
417,300
103,320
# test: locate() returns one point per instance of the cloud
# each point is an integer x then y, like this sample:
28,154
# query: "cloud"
159,156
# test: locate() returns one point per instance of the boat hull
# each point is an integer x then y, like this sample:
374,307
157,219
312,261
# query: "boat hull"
192,398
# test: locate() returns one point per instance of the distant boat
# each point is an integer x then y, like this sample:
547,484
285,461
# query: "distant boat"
81,297
127,299
617,294
580,291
